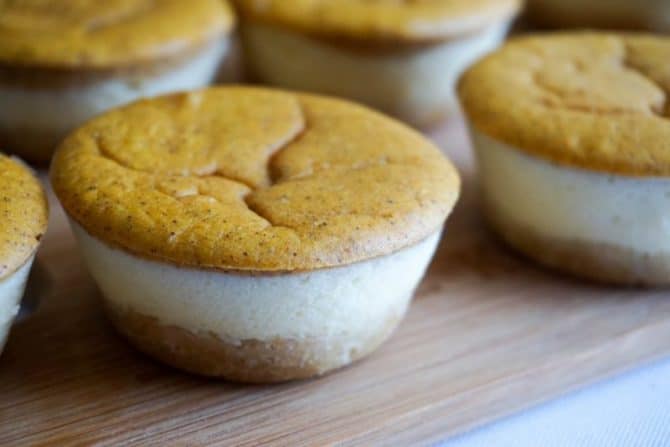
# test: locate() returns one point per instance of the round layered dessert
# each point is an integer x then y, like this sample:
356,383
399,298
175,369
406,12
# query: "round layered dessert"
65,61
253,234
24,211
400,57
573,141
651,15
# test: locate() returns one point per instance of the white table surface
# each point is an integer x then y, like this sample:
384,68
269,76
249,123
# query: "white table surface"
630,410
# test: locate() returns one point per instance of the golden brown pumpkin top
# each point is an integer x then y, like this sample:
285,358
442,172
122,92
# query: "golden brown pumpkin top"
251,179
587,100
24,211
106,33
400,20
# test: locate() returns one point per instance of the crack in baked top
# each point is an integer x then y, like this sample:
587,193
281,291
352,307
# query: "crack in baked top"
596,101
250,179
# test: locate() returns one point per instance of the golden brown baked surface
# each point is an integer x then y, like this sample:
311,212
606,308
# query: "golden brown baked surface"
403,20
100,34
253,179
596,261
24,214
587,100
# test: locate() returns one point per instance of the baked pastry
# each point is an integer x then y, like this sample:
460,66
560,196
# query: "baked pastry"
573,141
254,234
64,61
402,58
653,15
24,211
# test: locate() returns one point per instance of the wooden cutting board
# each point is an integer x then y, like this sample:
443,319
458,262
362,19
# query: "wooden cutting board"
487,335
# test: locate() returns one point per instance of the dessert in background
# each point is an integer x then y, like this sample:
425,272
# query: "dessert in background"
402,58
65,61
254,234
573,141
24,211
652,15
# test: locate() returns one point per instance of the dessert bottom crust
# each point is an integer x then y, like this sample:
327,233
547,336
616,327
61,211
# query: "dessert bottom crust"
600,262
252,361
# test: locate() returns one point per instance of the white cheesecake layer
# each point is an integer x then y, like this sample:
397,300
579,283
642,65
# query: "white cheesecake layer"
11,292
352,302
414,85
573,205
59,110
654,13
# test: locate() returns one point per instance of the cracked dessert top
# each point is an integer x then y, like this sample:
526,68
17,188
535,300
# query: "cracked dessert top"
401,20
24,214
250,179
587,100
100,34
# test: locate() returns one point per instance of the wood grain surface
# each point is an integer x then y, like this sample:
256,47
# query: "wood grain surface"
487,335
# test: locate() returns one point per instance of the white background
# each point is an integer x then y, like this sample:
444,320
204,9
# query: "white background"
628,411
